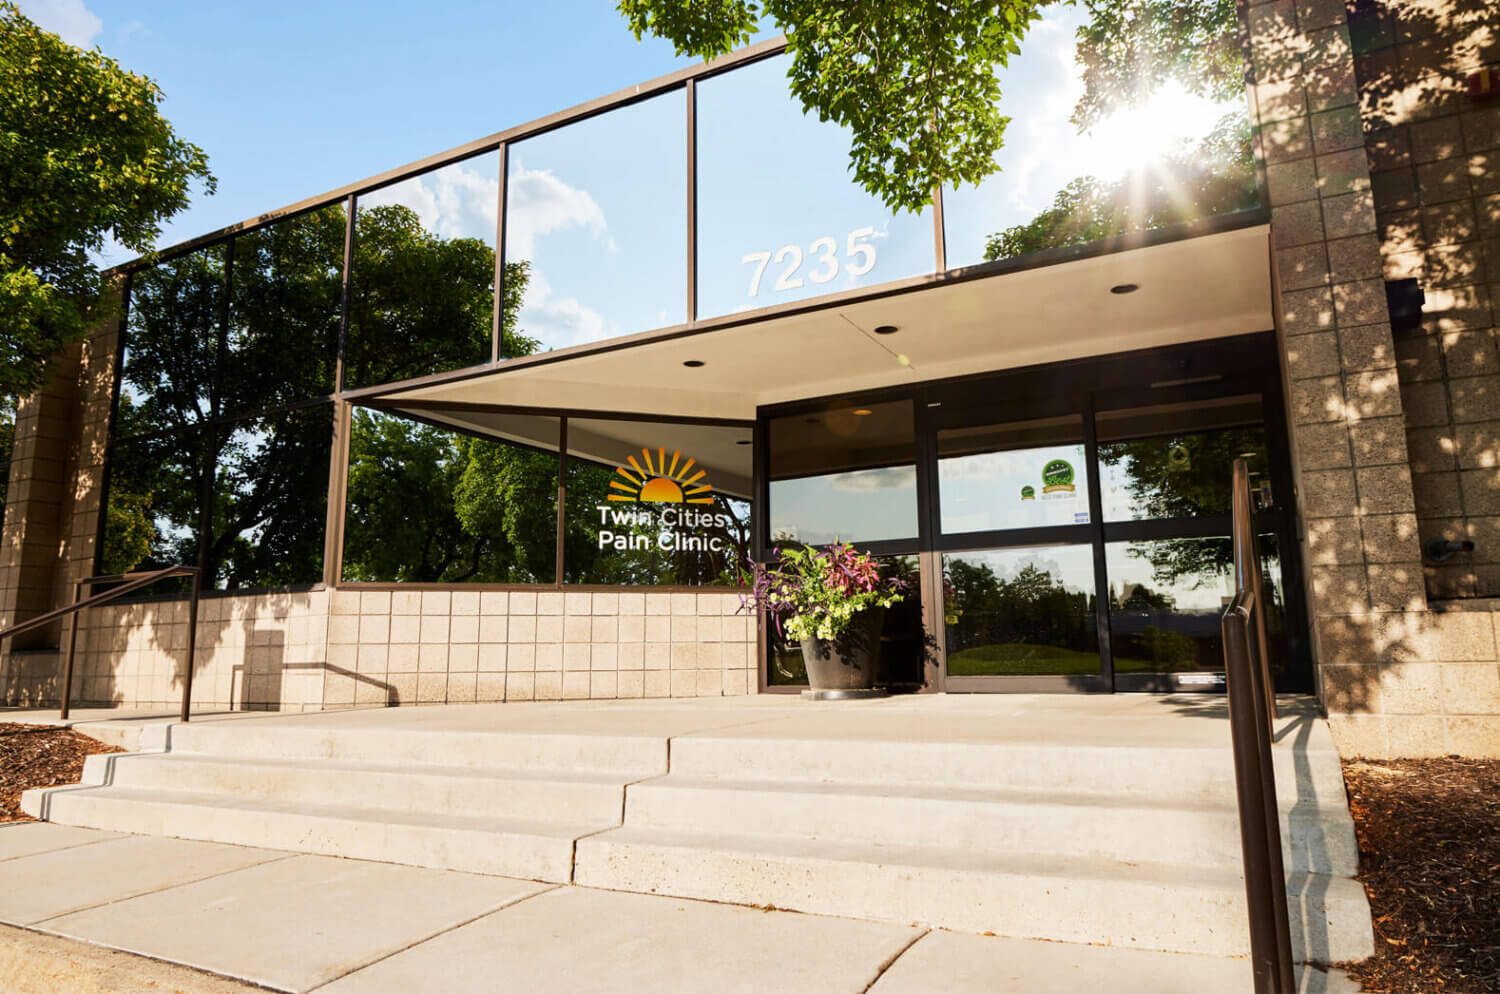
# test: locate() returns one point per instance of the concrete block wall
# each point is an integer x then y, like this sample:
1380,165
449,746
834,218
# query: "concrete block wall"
1435,169
254,652
1397,678
347,647
436,646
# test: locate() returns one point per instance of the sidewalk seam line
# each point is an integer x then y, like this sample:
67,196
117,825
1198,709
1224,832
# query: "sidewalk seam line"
881,970
76,845
284,856
504,906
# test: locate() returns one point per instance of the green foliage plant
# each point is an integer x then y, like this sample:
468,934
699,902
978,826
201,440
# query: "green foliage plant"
915,81
817,593
84,154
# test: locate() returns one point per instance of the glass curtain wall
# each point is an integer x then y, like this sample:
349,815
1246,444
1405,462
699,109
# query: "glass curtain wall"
596,227
1177,156
223,431
779,217
232,352
848,473
474,498
422,287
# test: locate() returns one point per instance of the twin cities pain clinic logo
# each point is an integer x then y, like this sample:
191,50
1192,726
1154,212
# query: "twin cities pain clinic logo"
642,513
659,483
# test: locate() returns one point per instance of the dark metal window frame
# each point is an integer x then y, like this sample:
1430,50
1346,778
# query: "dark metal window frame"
685,79
1242,364
563,416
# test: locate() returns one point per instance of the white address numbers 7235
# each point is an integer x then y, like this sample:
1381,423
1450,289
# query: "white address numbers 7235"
860,253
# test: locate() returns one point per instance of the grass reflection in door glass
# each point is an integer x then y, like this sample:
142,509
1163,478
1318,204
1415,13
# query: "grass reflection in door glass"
1023,611
1167,598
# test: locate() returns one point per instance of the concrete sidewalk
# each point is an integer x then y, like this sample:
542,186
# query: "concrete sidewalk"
301,923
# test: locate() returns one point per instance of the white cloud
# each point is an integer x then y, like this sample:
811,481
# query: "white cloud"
558,322
70,19
457,201
866,480
539,203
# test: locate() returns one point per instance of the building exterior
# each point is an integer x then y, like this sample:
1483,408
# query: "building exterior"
507,423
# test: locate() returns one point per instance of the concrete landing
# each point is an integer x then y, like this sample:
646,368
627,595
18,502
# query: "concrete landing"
297,924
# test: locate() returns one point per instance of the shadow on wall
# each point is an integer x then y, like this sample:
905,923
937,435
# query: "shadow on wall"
135,654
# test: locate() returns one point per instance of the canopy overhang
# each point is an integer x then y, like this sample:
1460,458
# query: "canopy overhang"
1193,289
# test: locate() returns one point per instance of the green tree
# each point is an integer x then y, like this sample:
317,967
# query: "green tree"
221,333
86,155
914,81
1211,177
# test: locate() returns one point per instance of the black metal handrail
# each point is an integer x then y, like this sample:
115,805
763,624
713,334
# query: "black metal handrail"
129,583
1252,713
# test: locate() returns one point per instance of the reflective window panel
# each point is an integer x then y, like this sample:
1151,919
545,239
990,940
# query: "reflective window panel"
1021,611
1166,600
657,503
1021,475
284,311
847,473
1173,158
1177,460
596,227
779,216
432,505
151,518
270,499
423,288
171,380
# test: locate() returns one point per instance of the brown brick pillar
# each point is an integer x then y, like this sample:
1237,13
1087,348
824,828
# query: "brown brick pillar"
52,507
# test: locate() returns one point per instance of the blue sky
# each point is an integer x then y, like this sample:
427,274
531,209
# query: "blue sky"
293,99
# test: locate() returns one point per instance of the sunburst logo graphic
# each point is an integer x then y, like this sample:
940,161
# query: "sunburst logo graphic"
661,482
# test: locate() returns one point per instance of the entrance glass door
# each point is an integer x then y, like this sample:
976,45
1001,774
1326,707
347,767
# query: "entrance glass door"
1062,527
1090,550
1014,509
1165,473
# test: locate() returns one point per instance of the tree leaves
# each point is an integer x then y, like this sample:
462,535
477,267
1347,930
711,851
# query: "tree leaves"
915,81
84,154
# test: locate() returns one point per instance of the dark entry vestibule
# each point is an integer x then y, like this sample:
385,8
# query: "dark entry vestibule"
1063,527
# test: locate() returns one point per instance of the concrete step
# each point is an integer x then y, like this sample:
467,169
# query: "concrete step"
631,756
1072,764
1177,907
549,795
514,847
1317,839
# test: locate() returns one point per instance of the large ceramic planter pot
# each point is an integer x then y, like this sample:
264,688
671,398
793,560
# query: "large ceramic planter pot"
845,667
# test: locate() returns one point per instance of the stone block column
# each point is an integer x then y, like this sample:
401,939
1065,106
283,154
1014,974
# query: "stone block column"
1355,495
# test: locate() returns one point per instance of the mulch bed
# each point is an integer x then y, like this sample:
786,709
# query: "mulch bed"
39,756
1429,842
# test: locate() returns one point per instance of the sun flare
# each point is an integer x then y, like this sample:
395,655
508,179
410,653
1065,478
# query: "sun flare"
660,482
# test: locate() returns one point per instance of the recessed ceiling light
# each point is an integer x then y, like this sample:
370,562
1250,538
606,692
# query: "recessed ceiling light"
886,329
692,363
743,441
1123,288
862,411
934,403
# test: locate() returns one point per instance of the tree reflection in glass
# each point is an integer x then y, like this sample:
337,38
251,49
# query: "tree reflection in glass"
1021,611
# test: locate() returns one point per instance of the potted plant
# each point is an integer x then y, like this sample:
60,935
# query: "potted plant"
831,600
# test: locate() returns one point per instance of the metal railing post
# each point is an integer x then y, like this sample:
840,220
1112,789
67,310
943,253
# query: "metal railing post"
66,696
1252,711
192,641
129,583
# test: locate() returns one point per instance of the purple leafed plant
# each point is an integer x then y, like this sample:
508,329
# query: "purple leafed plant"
816,593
